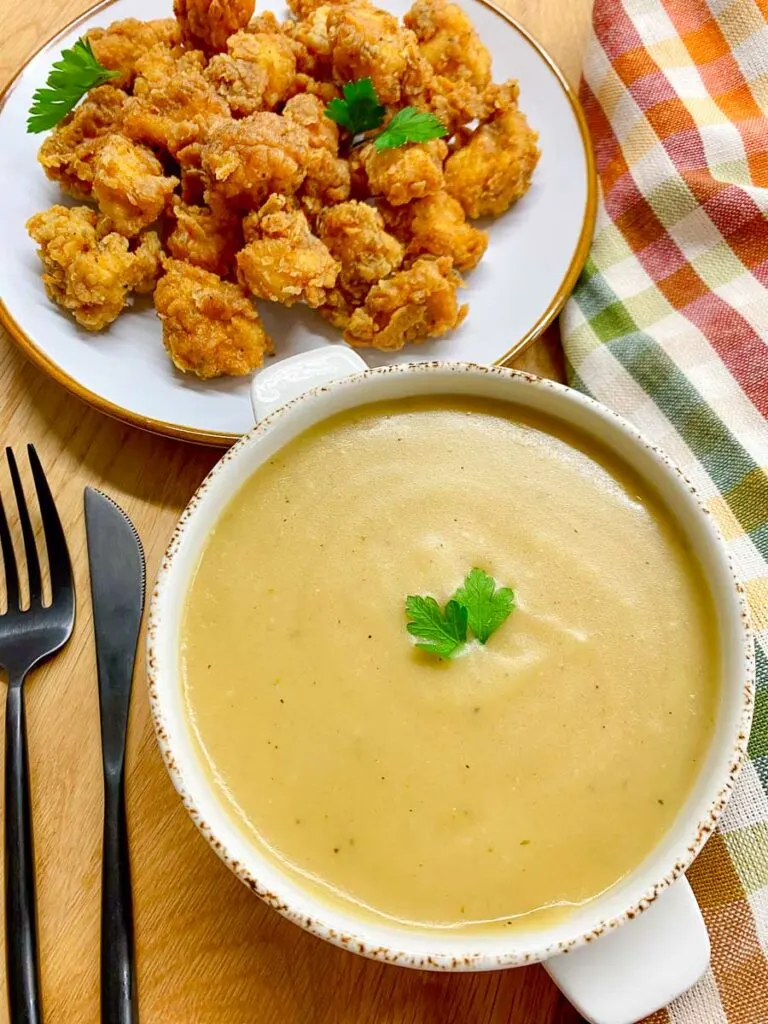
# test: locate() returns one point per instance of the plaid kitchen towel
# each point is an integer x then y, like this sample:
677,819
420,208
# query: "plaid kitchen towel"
669,326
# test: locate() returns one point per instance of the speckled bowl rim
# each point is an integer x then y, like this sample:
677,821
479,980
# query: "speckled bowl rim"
358,942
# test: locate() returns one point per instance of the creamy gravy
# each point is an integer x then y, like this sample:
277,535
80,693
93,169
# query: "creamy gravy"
533,773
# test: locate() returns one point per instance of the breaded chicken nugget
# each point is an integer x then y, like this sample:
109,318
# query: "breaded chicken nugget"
124,42
355,235
436,226
208,24
67,155
257,72
247,160
129,185
283,261
210,327
411,172
410,306
448,40
90,274
205,238
493,170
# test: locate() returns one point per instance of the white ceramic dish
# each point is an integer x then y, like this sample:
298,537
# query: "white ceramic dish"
536,252
613,977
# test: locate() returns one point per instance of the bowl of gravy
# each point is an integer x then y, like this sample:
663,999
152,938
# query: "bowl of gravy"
515,801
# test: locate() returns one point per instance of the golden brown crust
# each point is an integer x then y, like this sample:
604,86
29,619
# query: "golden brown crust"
204,238
411,306
449,42
257,72
129,185
283,261
436,226
210,327
208,24
89,272
124,42
400,175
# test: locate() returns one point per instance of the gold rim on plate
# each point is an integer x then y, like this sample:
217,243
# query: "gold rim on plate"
222,439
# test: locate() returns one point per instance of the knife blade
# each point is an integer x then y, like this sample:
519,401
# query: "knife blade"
117,571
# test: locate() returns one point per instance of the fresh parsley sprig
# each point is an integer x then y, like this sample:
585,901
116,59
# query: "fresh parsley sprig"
360,112
71,77
478,604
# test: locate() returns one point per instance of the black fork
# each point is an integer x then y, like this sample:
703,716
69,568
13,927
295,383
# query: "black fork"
27,637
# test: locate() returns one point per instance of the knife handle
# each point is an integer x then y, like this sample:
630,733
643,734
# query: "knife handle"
20,924
118,977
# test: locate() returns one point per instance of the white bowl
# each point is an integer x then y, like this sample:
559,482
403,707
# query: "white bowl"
675,948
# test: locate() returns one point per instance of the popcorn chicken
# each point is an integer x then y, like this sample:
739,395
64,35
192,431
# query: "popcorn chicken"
68,154
210,327
124,42
411,306
411,172
283,261
449,42
208,24
205,238
257,72
129,185
247,160
436,226
493,170
87,272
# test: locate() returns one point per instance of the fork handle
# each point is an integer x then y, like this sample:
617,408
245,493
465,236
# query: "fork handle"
20,922
118,977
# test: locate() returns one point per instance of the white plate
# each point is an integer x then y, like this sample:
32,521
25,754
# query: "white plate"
535,254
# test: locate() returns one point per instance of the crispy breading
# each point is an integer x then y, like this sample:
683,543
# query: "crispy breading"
89,273
124,42
310,33
129,185
208,24
283,261
67,155
257,72
366,42
411,172
327,180
456,103
448,40
205,238
355,235
411,306
305,8
493,170
173,106
436,226
247,160
309,111
210,327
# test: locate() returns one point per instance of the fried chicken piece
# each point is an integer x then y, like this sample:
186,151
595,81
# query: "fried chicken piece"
327,180
205,238
256,73
310,33
448,40
247,160
368,43
210,326
457,103
493,170
306,8
410,172
129,185
436,226
208,24
124,42
173,106
355,235
67,155
283,261
410,306
89,273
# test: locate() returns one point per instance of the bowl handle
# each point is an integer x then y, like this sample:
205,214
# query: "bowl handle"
633,971
282,382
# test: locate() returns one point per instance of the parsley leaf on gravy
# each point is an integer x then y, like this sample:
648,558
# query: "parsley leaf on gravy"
438,631
487,607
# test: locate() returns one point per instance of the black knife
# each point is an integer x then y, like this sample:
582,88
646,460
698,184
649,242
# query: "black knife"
116,563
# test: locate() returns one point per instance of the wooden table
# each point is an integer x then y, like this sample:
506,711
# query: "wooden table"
208,951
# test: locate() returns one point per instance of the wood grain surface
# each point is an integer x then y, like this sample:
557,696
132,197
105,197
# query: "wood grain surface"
208,951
